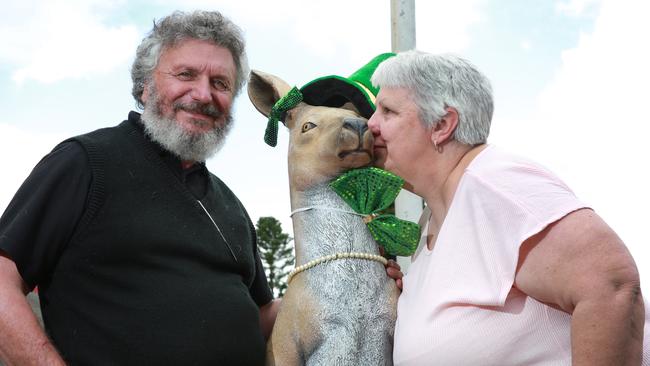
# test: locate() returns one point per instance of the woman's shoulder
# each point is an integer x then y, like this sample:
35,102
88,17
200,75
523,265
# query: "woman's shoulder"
497,176
504,170
494,158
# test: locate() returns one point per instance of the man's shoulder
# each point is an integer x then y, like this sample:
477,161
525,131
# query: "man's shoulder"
106,134
128,124
220,186
102,132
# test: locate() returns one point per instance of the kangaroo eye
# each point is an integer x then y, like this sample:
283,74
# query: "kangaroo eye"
307,126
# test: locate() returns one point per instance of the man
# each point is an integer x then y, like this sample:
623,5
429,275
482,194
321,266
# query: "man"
140,254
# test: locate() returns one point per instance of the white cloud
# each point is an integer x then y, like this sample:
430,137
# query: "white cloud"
20,151
322,27
356,29
591,128
72,39
443,26
63,39
594,98
576,7
325,28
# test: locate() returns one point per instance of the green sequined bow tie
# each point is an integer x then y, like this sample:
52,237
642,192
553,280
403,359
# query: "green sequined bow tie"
369,191
287,102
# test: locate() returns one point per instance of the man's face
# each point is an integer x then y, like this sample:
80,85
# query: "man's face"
195,82
189,98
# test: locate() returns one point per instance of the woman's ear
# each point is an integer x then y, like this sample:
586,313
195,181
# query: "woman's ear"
445,127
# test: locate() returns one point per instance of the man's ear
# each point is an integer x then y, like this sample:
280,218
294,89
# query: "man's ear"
145,93
444,129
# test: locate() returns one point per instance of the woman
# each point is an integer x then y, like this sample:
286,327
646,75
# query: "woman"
512,268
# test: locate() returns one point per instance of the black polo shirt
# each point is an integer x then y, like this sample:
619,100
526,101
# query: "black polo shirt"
43,218
53,198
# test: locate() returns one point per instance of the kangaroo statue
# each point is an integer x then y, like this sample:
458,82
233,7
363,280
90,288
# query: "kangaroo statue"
335,312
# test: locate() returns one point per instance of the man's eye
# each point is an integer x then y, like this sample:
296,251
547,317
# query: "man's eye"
185,75
307,126
221,85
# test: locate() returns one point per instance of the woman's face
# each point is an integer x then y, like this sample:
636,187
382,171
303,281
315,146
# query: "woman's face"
400,136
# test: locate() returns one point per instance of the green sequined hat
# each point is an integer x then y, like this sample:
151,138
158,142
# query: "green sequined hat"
335,91
329,91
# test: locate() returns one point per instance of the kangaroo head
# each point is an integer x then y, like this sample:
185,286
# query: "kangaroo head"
323,141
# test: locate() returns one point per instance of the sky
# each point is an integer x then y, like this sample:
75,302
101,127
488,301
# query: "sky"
569,77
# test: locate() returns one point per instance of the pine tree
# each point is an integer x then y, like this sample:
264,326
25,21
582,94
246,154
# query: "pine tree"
277,254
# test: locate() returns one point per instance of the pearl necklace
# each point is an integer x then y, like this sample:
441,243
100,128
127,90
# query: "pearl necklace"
332,257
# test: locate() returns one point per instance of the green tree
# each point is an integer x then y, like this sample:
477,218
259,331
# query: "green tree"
277,254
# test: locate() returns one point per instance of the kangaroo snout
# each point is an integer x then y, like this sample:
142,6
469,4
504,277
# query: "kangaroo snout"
355,124
355,137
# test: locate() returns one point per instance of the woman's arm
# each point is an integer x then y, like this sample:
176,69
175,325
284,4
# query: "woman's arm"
580,265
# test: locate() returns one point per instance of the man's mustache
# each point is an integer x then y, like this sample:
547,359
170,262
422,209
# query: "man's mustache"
196,107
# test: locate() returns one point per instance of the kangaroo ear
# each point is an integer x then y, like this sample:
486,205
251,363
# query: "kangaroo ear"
265,89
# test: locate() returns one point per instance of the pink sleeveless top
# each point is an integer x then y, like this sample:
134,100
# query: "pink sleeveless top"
458,306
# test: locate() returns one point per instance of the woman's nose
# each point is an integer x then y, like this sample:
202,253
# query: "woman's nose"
373,124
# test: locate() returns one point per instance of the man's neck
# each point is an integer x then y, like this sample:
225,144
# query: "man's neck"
186,164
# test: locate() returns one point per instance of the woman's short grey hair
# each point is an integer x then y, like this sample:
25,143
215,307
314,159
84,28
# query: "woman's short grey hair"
209,26
440,81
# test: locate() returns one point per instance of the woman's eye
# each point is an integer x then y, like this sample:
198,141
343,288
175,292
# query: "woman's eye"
307,126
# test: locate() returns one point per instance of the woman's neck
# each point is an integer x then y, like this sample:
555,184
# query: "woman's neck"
448,171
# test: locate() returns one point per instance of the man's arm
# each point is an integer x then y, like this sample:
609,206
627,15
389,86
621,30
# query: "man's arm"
581,266
268,313
23,340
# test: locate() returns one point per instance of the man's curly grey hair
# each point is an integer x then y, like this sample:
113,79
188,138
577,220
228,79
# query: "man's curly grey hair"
209,26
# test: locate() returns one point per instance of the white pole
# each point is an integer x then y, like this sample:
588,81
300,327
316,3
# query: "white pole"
407,206
402,18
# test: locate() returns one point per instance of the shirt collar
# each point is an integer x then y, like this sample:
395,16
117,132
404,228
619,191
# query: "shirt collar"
170,158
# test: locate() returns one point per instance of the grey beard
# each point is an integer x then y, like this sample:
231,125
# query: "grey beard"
188,146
